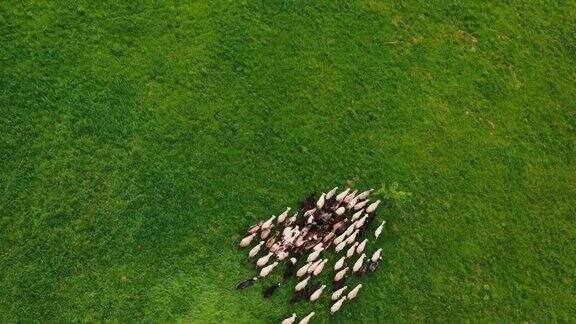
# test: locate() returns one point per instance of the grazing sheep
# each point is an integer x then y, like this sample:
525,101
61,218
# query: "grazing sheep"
339,239
361,204
282,255
352,294
254,228
291,220
266,270
352,237
267,223
349,197
376,256
365,194
265,233
316,294
361,246
359,263
340,263
336,295
361,221
351,250
331,193
336,306
303,270
313,266
343,194
255,250
302,284
246,241
340,274
283,216
372,207
263,260
340,246
350,229
319,268
310,212
324,222
356,215
289,320
306,319
321,200
379,229
352,203
314,255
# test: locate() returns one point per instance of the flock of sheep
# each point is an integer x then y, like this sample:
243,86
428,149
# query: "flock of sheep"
334,220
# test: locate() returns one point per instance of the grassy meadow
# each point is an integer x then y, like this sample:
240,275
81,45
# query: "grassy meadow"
139,139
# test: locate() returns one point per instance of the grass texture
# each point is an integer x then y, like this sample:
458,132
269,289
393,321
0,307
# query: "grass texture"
138,139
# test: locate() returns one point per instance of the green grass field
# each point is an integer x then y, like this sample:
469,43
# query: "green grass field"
138,141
